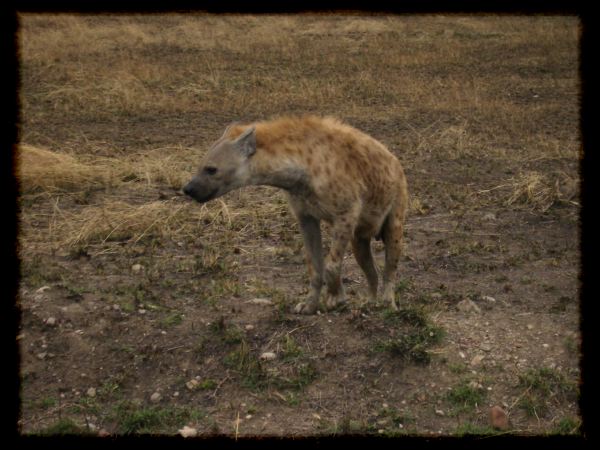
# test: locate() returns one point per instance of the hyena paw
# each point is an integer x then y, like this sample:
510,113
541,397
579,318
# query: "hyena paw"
333,301
305,308
390,298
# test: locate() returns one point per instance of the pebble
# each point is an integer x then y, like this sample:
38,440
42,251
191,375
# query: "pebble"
136,268
249,327
477,360
498,418
259,301
487,298
191,385
51,321
91,392
268,356
468,306
188,432
155,398
439,412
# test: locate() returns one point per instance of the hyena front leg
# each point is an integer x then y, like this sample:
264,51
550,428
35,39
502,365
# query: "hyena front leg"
341,234
311,234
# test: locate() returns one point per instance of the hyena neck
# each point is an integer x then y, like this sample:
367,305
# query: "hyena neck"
274,164
287,175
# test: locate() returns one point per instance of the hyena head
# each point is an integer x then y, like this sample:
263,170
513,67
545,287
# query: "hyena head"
224,167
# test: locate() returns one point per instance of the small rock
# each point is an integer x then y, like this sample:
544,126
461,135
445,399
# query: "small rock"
188,432
136,268
42,355
486,347
439,412
192,384
155,398
103,433
259,301
462,355
51,321
529,326
489,299
489,217
91,392
249,327
498,418
268,356
248,416
436,296
477,360
468,306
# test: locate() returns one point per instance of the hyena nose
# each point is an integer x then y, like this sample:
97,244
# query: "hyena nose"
187,189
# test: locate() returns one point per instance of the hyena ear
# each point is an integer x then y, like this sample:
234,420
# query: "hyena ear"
229,127
247,142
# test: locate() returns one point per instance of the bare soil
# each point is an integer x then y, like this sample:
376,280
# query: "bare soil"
481,110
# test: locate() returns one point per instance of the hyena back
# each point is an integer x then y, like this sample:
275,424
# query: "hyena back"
330,171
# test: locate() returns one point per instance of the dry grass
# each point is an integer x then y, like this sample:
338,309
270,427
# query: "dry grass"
540,191
44,170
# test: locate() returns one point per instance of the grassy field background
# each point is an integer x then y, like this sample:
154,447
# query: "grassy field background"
143,312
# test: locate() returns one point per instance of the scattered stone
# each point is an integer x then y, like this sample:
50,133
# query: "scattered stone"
268,356
462,355
192,384
188,432
136,268
529,326
155,398
103,433
50,321
42,355
489,217
249,327
498,418
489,299
91,392
468,306
439,412
486,347
477,360
248,416
475,385
142,311
259,301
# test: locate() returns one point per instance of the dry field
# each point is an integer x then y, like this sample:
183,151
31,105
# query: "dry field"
143,312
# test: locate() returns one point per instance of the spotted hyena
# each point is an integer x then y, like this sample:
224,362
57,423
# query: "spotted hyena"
330,171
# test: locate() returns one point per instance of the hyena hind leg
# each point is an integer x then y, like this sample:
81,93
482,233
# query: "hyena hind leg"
361,247
392,238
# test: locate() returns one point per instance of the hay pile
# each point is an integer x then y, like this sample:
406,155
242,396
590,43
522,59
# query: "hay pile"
40,170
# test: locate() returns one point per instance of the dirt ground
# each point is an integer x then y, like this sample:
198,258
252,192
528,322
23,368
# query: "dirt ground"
143,312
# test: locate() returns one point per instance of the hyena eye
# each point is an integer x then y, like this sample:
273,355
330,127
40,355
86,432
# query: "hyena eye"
210,170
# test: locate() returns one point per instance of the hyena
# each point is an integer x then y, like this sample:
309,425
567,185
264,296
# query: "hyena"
330,171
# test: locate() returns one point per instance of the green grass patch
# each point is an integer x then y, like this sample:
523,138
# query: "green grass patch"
64,427
413,335
543,386
464,397
133,419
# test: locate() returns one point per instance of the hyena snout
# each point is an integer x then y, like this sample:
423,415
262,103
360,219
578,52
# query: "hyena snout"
199,192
